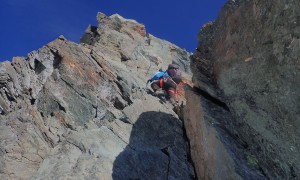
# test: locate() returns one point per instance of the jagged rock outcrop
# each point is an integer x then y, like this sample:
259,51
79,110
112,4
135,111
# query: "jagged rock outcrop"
81,111
247,59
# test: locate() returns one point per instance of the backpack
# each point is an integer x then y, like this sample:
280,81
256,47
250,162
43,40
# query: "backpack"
175,73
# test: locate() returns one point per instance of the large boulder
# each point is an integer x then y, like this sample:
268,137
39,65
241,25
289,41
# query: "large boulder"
249,59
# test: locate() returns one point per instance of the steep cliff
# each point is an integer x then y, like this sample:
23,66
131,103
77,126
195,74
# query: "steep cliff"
243,116
82,111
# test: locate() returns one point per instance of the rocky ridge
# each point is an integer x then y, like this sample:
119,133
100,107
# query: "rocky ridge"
82,111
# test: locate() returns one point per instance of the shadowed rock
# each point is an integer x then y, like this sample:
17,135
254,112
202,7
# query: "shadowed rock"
156,150
249,59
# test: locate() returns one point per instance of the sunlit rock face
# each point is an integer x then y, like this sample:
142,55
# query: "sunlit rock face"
82,111
247,66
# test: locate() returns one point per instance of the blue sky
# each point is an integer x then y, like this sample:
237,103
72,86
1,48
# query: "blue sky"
27,25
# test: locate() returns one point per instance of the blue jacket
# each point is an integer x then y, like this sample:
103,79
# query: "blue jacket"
160,75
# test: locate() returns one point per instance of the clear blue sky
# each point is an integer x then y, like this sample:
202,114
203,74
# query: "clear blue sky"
27,25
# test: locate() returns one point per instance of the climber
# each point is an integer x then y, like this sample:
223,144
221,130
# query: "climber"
148,39
162,80
175,73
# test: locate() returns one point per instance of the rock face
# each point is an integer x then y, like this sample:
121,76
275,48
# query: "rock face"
249,60
81,111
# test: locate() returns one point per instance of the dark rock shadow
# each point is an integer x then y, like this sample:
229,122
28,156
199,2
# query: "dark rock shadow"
157,150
